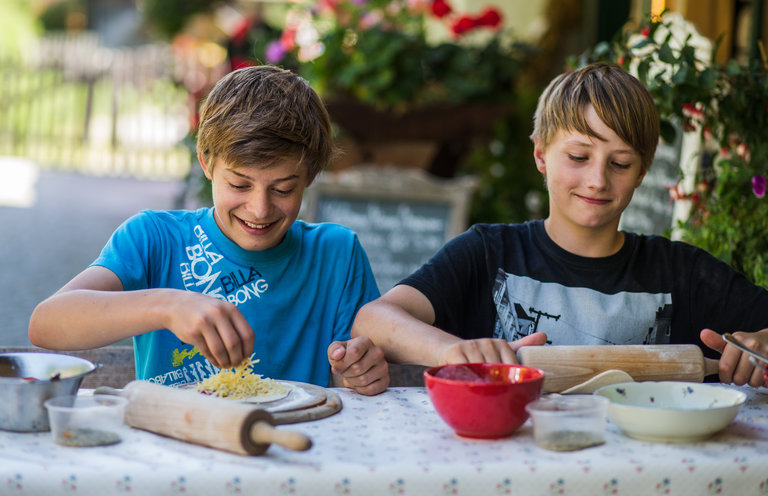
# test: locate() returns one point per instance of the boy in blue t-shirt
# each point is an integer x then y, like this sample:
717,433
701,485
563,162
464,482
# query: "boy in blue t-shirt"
202,290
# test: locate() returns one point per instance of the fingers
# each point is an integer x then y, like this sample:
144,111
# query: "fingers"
343,355
484,350
535,339
712,340
735,366
336,351
216,328
480,350
229,338
372,382
361,364
743,370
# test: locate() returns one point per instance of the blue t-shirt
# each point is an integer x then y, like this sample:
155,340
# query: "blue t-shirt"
298,297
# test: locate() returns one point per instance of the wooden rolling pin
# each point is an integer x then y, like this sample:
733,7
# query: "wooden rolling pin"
567,366
206,420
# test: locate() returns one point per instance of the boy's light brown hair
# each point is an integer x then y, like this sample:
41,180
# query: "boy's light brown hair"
619,99
262,115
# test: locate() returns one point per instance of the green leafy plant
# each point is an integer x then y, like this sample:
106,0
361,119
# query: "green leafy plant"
380,52
727,104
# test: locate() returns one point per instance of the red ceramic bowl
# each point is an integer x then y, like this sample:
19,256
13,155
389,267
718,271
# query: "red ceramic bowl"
483,400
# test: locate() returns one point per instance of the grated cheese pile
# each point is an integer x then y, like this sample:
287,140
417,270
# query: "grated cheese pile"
239,383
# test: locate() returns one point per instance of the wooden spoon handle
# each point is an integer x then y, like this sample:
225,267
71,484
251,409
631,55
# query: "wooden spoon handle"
264,433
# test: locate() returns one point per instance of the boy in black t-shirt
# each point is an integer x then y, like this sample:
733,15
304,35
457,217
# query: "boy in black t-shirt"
573,278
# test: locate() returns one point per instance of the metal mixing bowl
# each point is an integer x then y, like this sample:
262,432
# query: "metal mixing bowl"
28,379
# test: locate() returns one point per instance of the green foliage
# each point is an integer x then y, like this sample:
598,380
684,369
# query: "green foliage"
380,53
728,105
510,188
168,17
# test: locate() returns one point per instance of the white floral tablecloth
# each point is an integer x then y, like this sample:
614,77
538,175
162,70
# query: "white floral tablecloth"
395,443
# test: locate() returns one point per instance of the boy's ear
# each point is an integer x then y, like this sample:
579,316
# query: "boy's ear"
538,156
203,165
641,177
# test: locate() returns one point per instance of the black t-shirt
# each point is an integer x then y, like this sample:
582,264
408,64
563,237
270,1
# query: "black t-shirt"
508,281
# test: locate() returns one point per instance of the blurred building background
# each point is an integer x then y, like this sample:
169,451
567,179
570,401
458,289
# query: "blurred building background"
110,87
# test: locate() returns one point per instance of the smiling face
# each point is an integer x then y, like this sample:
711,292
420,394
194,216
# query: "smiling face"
255,206
590,181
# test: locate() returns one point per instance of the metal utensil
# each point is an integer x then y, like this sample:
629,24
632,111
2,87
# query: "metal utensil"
731,339
28,379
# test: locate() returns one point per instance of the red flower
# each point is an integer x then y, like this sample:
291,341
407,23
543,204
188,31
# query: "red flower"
441,8
240,32
490,18
646,31
462,25
288,38
238,62
689,107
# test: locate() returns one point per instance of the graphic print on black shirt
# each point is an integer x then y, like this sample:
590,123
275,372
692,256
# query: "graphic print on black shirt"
576,315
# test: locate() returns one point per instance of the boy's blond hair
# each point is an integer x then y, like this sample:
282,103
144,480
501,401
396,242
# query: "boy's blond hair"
261,116
619,100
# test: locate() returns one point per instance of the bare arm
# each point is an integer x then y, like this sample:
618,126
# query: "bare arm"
92,310
400,323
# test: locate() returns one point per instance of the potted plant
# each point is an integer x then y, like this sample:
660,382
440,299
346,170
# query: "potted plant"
397,70
727,105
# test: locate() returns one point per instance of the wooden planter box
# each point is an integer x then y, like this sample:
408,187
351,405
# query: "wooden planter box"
450,129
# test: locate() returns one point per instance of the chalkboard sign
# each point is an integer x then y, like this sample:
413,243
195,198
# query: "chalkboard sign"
402,217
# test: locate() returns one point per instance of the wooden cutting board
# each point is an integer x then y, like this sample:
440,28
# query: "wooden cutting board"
567,366
304,403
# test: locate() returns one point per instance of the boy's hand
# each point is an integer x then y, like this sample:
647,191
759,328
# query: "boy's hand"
361,365
488,350
735,366
215,327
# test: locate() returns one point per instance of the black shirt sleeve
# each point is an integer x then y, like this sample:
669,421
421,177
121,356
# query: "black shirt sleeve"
457,284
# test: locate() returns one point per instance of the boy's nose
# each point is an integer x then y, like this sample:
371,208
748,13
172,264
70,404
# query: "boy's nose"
597,175
259,205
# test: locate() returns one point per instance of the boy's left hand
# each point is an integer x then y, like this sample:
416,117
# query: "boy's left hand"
735,366
361,365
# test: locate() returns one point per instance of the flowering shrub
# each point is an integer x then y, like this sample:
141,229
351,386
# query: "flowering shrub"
727,104
382,52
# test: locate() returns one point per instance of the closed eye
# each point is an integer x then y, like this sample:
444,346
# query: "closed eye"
577,158
283,192
621,165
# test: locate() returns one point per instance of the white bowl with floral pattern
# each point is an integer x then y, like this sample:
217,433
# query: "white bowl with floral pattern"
671,411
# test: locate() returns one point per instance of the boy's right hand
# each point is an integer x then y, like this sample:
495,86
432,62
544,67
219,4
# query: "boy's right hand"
215,327
488,350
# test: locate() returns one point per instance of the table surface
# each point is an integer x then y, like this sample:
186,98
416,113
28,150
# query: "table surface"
395,443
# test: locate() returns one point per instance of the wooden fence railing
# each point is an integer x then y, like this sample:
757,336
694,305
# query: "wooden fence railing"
73,103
